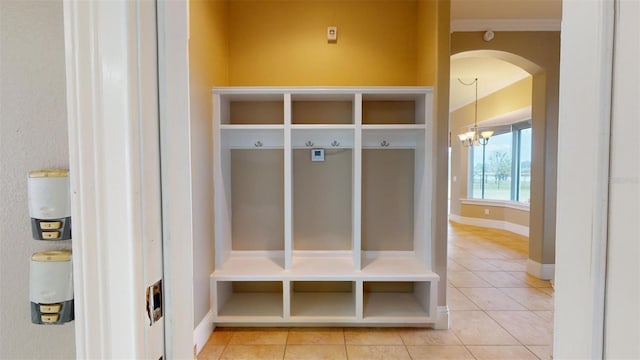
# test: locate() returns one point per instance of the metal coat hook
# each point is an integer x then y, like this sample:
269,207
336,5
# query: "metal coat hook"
385,143
335,143
309,143
258,143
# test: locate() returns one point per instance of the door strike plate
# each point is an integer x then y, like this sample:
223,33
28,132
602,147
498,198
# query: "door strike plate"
154,302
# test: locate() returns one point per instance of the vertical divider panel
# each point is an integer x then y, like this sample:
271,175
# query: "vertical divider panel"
428,188
423,227
359,299
213,297
357,183
221,178
224,291
286,300
288,186
433,299
422,292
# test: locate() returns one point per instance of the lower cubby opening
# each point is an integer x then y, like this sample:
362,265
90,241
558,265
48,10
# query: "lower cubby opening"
250,298
323,299
398,299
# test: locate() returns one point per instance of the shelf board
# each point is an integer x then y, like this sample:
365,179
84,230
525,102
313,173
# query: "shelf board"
395,136
392,307
319,127
327,306
399,94
253,267
252,305
252,127
398,267
252,136
392,127
322,267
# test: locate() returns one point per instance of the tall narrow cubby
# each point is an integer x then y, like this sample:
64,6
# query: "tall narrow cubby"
323,191
249,184
345,240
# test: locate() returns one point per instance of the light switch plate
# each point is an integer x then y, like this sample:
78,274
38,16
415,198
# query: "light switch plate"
332,33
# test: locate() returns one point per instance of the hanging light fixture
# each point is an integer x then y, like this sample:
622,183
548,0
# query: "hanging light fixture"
474,137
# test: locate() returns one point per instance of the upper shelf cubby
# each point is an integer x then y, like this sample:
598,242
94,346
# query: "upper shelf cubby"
322,109
252,109
393,109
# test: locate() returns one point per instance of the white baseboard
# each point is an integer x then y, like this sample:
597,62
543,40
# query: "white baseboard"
203,331
541,271
493,224
442,318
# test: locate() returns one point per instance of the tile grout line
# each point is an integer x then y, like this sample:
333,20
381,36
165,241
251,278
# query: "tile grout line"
286,343
344,342
487,314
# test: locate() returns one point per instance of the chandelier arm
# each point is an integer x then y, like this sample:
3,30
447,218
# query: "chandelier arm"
476,107
473,137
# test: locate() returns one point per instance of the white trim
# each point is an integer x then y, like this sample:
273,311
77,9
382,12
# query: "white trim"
332,92
541,271
443,321
462,25
583,177
173,76
496,203
493,224
106,118
203,331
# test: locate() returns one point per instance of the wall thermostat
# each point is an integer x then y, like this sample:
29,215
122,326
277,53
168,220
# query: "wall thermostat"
317,154
50,204
51,287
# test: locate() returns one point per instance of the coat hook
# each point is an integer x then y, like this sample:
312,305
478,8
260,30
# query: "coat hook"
258,143
335,143
309,143
384,143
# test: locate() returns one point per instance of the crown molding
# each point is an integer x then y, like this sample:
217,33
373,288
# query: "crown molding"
461,25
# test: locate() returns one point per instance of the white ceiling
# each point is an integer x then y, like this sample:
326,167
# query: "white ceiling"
492,73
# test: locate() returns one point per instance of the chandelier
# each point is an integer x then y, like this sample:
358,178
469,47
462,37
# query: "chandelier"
474,137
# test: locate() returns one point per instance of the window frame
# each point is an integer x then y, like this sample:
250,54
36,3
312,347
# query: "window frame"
516,139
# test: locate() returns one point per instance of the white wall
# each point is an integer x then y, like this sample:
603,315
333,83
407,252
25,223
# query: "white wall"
33,135
597,251
201,109
201,74
622,313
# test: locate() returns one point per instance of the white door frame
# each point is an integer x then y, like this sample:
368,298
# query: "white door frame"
112,103
586,62
105,160
175,140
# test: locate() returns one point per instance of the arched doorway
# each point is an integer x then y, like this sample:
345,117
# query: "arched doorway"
537,54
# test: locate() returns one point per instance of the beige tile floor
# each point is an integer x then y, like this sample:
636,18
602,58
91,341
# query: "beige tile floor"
497,312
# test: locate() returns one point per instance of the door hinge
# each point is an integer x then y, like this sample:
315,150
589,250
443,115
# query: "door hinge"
154,302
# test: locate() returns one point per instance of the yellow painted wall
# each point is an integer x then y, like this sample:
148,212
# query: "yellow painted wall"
427,41
284,43
496,212
513,97
209,42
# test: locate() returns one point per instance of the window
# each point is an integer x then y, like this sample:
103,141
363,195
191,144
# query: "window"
501,170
